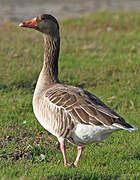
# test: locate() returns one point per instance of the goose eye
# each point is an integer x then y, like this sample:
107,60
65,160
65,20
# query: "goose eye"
43,17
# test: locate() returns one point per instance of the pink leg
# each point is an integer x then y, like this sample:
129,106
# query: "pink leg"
80,148
63,150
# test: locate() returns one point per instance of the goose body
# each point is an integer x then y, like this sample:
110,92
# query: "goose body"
68,112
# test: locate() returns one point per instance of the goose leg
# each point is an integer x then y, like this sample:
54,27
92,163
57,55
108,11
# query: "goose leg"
80,149
63,150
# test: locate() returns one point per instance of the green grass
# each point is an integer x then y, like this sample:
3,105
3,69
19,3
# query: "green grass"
99,52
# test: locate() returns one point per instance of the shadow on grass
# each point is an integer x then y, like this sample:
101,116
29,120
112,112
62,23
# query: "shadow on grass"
26,144
137,155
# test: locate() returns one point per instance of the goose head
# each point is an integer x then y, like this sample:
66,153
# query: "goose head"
44,23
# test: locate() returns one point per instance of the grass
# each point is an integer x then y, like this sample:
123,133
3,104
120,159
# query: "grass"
99,52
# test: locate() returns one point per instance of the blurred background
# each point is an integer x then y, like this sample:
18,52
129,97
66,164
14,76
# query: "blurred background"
19,10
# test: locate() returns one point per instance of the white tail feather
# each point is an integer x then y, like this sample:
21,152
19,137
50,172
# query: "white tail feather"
125,128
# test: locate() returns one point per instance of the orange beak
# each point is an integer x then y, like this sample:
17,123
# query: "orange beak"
29,24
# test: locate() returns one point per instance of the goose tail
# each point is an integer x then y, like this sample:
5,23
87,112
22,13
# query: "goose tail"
125,126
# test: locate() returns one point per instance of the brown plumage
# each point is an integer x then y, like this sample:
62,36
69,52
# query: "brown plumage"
68,112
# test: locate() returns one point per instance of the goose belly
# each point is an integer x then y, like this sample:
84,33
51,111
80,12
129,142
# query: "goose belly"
86,134
47,116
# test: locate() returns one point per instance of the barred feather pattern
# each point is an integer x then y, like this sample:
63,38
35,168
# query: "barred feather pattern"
53,118
62,107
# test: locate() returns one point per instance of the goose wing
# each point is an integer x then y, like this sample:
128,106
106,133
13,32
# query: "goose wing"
83,107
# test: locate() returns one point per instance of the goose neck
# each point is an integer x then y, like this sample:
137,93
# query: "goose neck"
51,55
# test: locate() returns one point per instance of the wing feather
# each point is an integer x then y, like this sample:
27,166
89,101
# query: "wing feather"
82,114
82,106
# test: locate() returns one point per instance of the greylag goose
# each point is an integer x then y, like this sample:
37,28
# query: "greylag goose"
68,112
